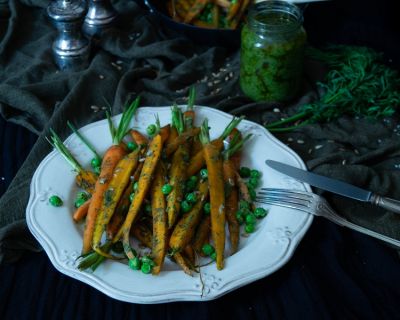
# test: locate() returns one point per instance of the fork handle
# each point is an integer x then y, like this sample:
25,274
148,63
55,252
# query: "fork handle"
332,216
386,203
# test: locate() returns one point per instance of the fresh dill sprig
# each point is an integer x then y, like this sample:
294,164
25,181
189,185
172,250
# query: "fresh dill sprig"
358,84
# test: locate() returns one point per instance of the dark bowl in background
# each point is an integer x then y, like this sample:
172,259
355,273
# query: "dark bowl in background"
204,36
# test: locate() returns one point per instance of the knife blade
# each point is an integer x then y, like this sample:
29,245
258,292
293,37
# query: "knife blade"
335,186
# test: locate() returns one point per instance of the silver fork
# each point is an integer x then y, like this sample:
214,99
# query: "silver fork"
316,205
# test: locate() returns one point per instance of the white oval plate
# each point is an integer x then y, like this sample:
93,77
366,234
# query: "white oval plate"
268,248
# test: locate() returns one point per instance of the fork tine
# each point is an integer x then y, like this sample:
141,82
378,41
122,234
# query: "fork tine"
287,204
293,194
287,198
285,191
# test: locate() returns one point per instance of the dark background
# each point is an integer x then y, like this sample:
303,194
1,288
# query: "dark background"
333,274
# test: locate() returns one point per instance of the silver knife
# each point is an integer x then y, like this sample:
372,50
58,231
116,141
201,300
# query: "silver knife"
335,186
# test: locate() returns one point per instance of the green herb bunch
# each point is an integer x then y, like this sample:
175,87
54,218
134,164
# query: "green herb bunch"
358,83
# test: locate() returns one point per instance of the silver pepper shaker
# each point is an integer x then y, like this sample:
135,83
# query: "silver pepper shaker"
100,16
70,48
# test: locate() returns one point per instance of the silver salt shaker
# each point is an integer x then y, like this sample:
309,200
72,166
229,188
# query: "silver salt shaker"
100,16
70,48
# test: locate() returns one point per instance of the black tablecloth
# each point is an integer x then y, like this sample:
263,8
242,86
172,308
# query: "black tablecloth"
334,273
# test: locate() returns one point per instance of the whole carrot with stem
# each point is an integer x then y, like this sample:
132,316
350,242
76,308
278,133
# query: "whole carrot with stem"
81,212
231,190
197,161
97,158
112,195
150,163
84,179
177,172
160,222
110,160
185,228
202,234
213,161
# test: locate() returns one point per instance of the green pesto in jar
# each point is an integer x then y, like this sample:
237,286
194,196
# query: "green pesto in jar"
272,49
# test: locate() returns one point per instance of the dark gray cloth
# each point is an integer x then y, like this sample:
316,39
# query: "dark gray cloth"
138,57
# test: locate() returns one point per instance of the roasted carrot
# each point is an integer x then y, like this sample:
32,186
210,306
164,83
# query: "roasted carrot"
171,147
139,138
189,114
233,9
85,142
197,161
160,223
84,179
236,157
81,212
177,171
213,160
185,228
142,233
189,254
223,3
164,132
195,10
202,234
118,182
120,213
215,16
232,158
173,134
144,183
234,22
111,158
180,260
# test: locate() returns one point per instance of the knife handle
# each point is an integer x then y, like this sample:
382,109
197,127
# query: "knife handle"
386,203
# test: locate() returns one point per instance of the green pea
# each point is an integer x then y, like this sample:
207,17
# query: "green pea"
207,249
191,197
55,201
146,268
207,208
253,182
204,173
131,196
186,206
166,189
97,170
244,205
249,228
239,217
255,174
96,162
118,247
135,186
190,185
132,146
82,195
260,212
148,260
213,256
244,172
251,219
194,179
79,202
151,129
135,263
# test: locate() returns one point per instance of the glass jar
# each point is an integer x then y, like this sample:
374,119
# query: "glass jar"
272,50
